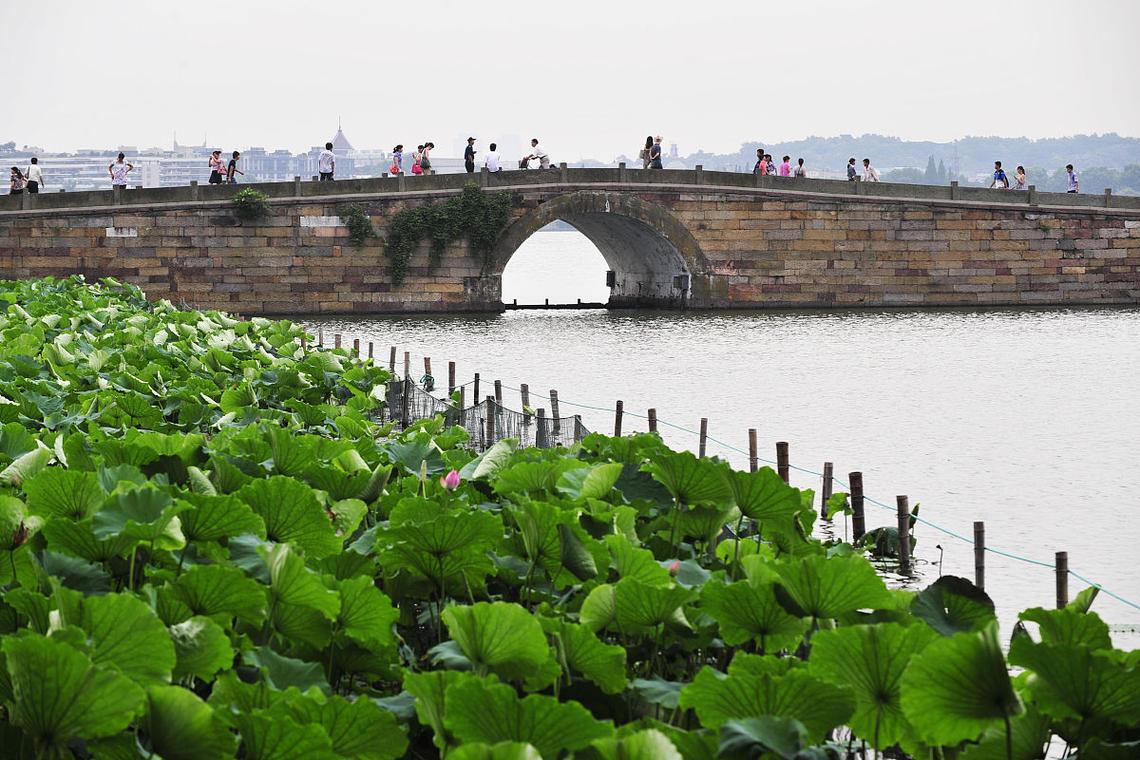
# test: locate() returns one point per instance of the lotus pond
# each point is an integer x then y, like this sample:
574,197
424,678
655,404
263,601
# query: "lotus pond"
209,548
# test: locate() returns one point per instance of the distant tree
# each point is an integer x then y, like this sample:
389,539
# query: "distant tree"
931,175
908,175
942,176
8,147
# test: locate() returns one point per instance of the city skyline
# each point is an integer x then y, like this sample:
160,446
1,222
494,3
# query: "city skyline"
590,82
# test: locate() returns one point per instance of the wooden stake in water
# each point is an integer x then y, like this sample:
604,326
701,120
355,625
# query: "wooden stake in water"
356,347
652,420
336,340
617,419
1062,566
524,394
499,392
825,490
369,349
782,461
753,458
427,365
490,421
320,337
858,522
392,361
407,364
404,400
450,378
463,398
702,444
555,420
304,340
540,439
903,506
980,554
475,389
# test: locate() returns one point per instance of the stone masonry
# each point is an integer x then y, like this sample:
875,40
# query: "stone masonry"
673,239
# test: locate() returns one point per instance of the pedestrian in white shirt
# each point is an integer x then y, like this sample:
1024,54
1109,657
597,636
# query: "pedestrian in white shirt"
118,169
35,176
491,159
869,173
326,163
539,153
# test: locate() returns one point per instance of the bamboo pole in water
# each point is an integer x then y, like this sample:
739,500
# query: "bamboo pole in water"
903,513
702,446
858,522
980,554
753,460
617,419
825,491
1062,566
652,420
782,460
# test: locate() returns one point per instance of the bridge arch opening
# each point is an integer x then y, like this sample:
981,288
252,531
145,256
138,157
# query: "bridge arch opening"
556,265
652,260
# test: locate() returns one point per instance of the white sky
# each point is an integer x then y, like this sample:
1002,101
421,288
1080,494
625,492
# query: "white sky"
590,78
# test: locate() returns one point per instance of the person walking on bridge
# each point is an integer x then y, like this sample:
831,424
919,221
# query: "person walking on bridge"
1019,178
786,167
644,154
326,163
655,154
756,168
217,168
801,172
119,169
469,156
417,154
852,172
231,169
35,176
397,166
1072,182
869,173
18,182
425,157
1000,180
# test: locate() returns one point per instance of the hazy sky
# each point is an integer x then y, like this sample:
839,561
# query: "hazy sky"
590,78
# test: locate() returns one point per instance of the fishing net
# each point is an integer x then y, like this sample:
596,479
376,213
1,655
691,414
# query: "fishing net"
486,422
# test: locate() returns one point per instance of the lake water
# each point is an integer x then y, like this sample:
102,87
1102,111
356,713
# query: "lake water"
1026,419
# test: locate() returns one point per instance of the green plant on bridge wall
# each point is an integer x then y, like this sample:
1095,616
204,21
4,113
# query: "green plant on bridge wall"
479,216
250,205
358,224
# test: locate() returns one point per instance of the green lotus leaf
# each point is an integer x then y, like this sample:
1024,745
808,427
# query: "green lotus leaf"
1029,733
953,605
57,492
582,652
649,744
58,694
502,638
281,672
745,663
595,482
748,611
358,730
449,551
429,689
767,736
71,572
292,454
292,514
301,606
827,587
957,687
638,606
25,467
698,744
16,525
366,614
500,751
1068,626
215,590
532,477
78,539
575,555
490,461
598,608
337,483
347,515
128,636
213,518
690,480
414,454
144,514
201,647
871,659
15,440
477,711
657,691
763,496
818,704
1094,687
634,562
271,737
180,726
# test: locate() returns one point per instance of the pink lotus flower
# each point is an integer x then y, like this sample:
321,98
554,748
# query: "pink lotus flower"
450,481
674,567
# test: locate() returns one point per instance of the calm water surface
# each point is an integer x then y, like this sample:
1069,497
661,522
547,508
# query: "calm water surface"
1025,419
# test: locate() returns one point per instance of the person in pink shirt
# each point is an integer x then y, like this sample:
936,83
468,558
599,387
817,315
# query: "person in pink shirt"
786,167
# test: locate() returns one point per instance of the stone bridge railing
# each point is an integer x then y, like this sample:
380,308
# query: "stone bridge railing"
626,179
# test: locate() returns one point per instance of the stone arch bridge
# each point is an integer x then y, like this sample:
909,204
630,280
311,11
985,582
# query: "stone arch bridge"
674,239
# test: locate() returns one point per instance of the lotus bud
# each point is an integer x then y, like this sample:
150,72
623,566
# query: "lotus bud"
674,567
450,481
